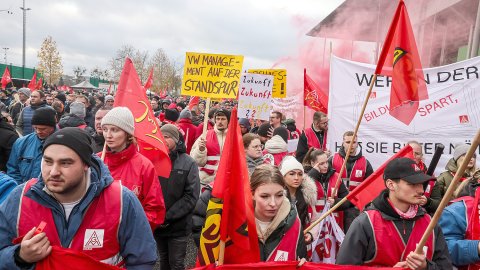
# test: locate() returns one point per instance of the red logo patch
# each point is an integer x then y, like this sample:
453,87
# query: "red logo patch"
464,119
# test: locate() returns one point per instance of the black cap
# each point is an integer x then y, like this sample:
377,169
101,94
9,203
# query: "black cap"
74,138
223,112
263,129
406,169
44,116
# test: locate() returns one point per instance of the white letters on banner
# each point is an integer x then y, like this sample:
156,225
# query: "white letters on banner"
451,115
255,96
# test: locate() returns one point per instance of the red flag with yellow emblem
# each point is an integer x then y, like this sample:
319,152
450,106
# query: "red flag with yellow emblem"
131,94
230,215
400,60
313,95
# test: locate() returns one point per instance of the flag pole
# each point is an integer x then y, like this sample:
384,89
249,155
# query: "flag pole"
221,253
205,119
448,193
304,107
347,153
322,217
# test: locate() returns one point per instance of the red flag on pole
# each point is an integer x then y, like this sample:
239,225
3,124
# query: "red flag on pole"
33,83
230,215
39,84
314,97
193,102
149,81
131,94
400,60
371,187
6,78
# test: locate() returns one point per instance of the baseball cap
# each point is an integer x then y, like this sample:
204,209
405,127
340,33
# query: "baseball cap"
406,169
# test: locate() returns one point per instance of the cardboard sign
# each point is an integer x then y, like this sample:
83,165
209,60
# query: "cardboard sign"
255,96
211,75
280,82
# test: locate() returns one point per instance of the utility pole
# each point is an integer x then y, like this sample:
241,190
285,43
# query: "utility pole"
5,57
24,34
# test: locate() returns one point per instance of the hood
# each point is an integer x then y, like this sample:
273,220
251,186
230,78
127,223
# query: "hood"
276,145
381,204
180,149
70,120
358,153
184,121
100,178
451,166
309,190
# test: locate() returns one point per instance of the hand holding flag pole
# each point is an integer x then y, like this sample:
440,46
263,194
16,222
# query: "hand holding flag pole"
448,194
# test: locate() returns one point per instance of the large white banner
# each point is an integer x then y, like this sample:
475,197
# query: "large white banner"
451,115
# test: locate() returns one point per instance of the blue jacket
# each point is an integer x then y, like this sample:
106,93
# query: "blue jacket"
137,245
25,158
454,225
7,184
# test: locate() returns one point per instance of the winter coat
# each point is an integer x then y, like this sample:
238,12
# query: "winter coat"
8,136
97,142
359,243
302,147
180,192
137,246
15,110
72,120
7,184
253,163
24,122
441,185
138,174
190,131
200,214
200,157
322,178
25,158
284,220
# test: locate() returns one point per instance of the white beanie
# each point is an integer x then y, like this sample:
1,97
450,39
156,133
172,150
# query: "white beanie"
290,163
121,117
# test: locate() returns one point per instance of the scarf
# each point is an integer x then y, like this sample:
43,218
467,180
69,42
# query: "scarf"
411,212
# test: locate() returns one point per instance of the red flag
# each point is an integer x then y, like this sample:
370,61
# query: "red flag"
314,97
150,140
149,81
33,83
6,78
39,84
76,260
230,215
193,102
400,60
371,187
292,265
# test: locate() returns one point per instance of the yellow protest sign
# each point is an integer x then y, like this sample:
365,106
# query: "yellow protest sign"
211,75
279,82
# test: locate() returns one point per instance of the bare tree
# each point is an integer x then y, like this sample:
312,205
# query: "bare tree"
79,73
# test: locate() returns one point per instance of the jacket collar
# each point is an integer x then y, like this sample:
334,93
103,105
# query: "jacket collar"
117,159
381,204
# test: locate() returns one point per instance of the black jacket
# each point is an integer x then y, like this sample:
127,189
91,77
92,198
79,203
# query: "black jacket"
302,147
8,136
180,193
200,214
359,243
97,142
322,178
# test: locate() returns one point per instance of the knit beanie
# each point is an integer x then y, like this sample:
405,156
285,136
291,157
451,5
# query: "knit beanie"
282,132
44,116
61,97
78,109
263,129
24,91
181,105
172,115
222,112
109,97
74,138
171,131
460,150
121,117
289,163
244,122
185,114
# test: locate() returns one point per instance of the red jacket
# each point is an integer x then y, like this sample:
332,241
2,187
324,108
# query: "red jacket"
190,131
137,173
210,125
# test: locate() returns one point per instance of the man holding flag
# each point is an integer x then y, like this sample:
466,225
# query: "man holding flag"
386,234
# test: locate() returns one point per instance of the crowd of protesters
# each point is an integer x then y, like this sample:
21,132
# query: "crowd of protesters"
52,169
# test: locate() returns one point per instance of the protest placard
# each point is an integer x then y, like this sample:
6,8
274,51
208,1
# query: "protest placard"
255,96
279,89
211,75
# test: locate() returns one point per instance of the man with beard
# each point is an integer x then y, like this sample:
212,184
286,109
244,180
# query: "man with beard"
314,136
207,149
386,233
98,139
24,123
357,169
23,96
25,158
75,186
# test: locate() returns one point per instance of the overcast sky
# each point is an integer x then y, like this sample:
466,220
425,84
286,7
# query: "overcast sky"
88,32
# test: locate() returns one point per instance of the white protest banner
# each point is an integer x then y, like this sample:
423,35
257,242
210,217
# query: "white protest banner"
451,115
255,96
